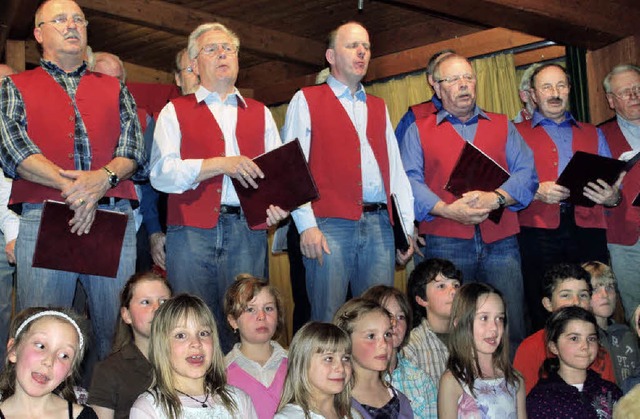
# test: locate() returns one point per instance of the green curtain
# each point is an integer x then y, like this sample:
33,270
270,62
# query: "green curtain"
497,85
577,69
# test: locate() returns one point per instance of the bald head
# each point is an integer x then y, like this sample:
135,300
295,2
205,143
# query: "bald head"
6,70
110,65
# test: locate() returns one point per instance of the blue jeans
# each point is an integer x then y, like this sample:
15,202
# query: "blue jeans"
362,254
205,262
496,264
624,262
51,288
6,288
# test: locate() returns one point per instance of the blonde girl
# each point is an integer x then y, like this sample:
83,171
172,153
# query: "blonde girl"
480,380
369,327
126,373
318,383
189,380
257,364
44,351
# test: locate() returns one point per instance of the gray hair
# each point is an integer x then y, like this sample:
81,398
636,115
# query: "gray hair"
525,81
443,59
436,58
179,56
620,68
206,27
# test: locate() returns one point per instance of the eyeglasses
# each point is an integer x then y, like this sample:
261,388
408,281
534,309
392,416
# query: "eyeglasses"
549,88
64,21
629,93
210,49
469,78
188,69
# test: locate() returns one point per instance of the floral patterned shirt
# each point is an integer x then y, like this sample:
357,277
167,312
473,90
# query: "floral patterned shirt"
492,398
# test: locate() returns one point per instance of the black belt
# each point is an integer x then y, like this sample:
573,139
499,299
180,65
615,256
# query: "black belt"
228,209
374,207
108,200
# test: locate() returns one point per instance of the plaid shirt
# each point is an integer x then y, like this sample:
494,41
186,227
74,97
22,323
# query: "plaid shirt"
427,351
418,386
17,146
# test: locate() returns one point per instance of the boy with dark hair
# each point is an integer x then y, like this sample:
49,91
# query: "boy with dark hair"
431,288
618,339
564,285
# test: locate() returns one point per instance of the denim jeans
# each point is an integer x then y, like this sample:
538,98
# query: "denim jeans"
362,254
496,264
205,262
624,262
52,288
6,290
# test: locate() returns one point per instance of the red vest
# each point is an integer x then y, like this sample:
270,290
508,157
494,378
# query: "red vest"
51,126
441,146
623,222
202,138
539,214
424,109
334,157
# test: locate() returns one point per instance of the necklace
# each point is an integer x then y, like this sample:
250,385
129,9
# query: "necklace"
203,403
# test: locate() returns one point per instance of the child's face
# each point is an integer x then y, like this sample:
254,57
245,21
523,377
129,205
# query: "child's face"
191,345
603,298
488,323
577,346
371,341
399,321
570,292
147,297
440,293
258,322
328,373
44,357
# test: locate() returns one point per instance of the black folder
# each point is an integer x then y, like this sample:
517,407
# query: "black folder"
287,183
399,232
96,253
476,171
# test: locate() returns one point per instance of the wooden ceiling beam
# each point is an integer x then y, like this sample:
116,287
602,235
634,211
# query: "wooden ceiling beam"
588,24
182,20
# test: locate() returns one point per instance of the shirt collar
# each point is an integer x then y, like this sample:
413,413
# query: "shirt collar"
626,124
202,94
342,90
538,119
53,68
477,113
278,353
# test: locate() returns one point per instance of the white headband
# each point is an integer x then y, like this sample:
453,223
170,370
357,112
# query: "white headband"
51,313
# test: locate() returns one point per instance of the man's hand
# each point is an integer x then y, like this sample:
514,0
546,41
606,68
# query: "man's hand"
463,210
485,200
602,193
418,242
82,196
313,244
158,253
275,214
9,249
551,193
243,169
403,257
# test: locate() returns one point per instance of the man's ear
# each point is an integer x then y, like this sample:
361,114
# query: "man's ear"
421,302
330,55
546,303
37,33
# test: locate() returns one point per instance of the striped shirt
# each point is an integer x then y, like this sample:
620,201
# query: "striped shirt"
427,351
418,386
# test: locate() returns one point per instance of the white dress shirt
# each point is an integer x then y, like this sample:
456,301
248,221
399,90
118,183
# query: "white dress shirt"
9,220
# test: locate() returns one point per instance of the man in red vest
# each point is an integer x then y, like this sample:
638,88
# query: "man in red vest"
71,134
622,86
346,235
456,228
201,141
553,231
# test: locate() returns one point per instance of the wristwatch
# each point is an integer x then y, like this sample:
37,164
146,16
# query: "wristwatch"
502,201
113,178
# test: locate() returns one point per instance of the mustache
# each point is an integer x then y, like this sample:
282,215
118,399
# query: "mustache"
555,99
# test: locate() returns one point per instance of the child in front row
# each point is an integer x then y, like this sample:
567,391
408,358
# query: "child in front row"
44,351
189,380
563,285
480,381
618,339
126,373
257,364
318,383
570,389
369,327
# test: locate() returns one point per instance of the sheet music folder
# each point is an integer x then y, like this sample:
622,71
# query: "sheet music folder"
287,183
584,168
96,253
399,232
476,171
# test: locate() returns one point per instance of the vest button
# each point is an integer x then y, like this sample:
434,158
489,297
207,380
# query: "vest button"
359,183
70,155
359,202
219,190
70,135
71,118
555,163
221,154
215,209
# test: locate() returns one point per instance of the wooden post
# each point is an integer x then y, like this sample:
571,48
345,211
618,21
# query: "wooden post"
16,55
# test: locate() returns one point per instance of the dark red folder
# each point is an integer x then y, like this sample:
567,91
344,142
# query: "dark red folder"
96,253
584,168
287,183
476,171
